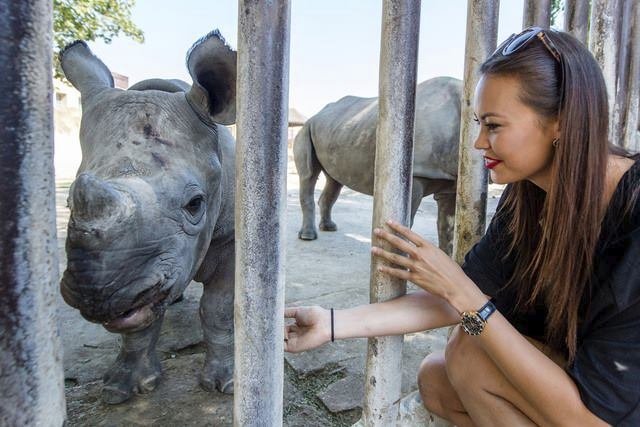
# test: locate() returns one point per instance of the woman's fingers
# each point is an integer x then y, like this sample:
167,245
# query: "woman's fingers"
396,272
395,241
400,260
290,312
414,238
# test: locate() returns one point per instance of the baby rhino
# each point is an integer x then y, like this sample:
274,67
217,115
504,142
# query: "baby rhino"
340,141
152,209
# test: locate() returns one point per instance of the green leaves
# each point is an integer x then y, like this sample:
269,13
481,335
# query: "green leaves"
91,20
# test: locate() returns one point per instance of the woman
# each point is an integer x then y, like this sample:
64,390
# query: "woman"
549,299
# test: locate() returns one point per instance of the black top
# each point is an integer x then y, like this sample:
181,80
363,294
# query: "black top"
606,369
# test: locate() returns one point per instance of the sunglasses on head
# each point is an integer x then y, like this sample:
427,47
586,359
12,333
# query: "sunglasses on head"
515,42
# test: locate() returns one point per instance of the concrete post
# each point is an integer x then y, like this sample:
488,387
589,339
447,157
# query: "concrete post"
631,131
536,12
261,165
31,375
392,192
471,199
622,99
576,19
603,43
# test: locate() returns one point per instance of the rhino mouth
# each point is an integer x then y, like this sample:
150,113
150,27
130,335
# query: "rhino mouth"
149,306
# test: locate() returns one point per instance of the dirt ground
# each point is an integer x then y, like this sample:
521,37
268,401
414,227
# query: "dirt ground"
323,387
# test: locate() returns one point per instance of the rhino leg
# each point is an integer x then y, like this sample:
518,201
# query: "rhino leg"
308,168
327,199
446,219
216,315
137,367
418,191
444,193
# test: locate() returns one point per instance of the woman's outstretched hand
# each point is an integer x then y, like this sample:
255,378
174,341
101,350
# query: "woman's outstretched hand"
311,328
424,264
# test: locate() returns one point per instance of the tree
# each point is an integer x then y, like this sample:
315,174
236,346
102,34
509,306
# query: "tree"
91,20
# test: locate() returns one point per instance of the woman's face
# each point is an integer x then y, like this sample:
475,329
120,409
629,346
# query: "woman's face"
517,143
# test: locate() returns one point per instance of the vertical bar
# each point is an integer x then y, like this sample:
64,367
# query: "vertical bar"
576,19
631,131
261,162
471,198
392,192
603,43
536,12
31,375
623,66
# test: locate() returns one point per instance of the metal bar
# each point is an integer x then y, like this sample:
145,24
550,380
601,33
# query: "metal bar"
31,374
261,163
576,19
471,198
603,43
392,192
537,12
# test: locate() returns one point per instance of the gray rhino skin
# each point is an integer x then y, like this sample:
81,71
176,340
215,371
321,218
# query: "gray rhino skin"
340,141
152,209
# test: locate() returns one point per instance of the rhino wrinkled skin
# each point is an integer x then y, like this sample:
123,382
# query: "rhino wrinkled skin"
152,209
340,141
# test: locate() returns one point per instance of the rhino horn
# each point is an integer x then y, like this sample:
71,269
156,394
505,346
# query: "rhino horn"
212,65
96,202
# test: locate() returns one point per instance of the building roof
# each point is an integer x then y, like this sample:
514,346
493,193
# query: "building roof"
296,118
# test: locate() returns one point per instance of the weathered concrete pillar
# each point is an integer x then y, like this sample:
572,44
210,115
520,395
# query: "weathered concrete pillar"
471,199
576,19
536,12
623,66
31,376
603,43
631,131
261,164
392,192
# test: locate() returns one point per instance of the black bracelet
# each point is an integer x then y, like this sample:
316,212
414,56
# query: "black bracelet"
332,336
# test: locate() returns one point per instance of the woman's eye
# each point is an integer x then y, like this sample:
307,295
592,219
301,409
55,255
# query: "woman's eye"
492,126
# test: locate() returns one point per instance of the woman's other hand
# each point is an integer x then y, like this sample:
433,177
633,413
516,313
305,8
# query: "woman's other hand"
424,264
311,328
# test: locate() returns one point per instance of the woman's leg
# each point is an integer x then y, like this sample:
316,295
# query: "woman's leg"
486,394
466,387
438,394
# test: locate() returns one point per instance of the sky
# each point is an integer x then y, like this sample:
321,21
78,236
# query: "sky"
334,49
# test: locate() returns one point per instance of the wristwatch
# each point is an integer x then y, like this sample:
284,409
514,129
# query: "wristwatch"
473,321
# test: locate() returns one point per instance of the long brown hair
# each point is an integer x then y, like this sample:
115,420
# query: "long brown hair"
554,234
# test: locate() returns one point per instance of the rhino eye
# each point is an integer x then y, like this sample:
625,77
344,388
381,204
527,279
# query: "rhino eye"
195,205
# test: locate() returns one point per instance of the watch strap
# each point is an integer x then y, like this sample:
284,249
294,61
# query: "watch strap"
487,310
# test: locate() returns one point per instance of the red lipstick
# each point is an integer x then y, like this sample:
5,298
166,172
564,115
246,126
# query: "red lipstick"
490,163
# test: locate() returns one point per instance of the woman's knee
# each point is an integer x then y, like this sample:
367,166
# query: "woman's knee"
461,359
433,383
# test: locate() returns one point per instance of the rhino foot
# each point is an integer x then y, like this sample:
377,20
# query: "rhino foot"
305,234
328,225
132,372
217,376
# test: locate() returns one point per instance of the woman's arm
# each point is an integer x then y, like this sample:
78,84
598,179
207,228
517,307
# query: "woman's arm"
417,311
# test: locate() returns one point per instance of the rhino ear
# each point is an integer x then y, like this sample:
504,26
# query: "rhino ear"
84,70
212,65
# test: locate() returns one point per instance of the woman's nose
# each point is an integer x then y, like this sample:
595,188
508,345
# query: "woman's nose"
481,141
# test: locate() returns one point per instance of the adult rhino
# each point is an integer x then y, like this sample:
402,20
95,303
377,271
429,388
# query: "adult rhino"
152,208
340,141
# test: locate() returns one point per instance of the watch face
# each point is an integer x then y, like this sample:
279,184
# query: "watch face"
472,323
